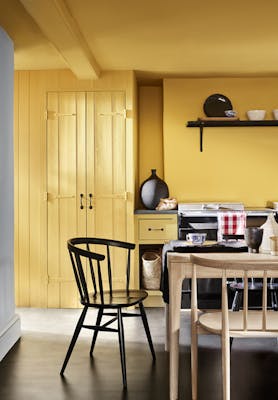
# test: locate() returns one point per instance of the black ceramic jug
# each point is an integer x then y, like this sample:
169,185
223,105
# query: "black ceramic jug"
152,190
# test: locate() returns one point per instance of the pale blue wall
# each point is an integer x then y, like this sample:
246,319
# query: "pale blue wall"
8,321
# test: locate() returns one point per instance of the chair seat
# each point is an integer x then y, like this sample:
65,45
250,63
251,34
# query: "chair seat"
212,322
120,298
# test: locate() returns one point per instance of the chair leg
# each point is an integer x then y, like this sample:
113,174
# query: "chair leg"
226,366
194,362
147,329
122,345
276,301
236,301
98,321
273,296
74,338
235,307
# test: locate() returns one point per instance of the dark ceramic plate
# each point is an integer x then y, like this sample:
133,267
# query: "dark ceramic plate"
216,105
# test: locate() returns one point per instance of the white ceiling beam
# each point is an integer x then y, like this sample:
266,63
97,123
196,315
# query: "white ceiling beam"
58,25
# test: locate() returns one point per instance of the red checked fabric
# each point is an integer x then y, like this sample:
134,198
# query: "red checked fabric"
231,223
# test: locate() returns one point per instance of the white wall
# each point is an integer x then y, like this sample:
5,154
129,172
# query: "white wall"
9,322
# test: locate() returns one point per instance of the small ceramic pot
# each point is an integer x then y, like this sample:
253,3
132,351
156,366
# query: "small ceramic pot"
253,238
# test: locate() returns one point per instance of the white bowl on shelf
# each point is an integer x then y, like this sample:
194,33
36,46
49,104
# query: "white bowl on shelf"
275,114
256,115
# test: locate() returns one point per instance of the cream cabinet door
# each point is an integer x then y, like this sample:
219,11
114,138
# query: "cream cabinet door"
86,180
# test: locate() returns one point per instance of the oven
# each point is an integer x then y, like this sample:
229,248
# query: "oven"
202,218
195,222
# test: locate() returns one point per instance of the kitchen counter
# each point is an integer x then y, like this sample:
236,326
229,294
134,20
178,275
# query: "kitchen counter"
142,211
249,210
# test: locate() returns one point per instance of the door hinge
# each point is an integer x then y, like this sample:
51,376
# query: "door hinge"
58,279
51,196
114,114
54,115
122,196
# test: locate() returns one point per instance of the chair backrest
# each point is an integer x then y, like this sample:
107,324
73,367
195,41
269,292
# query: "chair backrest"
83,259
243,267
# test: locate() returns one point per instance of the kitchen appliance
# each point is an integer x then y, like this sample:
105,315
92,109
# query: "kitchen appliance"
202,218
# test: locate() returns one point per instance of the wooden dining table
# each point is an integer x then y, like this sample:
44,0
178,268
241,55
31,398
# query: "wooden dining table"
179,268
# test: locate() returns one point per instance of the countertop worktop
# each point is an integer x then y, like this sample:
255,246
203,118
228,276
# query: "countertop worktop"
142,211
249,211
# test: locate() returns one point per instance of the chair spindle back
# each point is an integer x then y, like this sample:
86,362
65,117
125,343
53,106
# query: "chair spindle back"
82,255
244,269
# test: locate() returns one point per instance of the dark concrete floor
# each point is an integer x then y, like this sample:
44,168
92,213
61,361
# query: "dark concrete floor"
30,371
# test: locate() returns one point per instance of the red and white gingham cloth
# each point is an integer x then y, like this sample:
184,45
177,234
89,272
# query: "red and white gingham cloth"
231,223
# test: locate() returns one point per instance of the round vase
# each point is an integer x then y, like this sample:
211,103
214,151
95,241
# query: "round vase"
152,190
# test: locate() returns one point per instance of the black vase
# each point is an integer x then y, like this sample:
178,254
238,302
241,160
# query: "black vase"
152,190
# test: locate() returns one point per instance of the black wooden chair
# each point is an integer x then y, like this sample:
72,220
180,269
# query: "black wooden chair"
89,270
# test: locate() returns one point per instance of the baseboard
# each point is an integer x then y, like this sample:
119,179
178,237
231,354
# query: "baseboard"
9,335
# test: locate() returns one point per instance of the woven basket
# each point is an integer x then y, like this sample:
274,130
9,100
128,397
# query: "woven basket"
151,270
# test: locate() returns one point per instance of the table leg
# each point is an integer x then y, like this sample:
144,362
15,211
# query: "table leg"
175,284
167,327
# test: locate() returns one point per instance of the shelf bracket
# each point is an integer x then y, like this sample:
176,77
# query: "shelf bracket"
226,122
201,136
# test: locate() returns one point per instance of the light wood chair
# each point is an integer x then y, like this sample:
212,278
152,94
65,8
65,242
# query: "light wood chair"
226,323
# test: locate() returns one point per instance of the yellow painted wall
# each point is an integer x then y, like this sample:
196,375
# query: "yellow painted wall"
237,164
151,131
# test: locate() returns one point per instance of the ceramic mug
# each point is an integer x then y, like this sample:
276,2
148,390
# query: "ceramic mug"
196,238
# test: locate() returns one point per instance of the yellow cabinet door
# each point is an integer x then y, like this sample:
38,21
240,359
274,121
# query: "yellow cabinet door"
86,180
65,183
106,170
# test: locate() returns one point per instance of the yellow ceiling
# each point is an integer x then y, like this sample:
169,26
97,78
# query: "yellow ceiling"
152,37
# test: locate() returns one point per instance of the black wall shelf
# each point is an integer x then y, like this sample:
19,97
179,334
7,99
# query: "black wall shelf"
201,124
